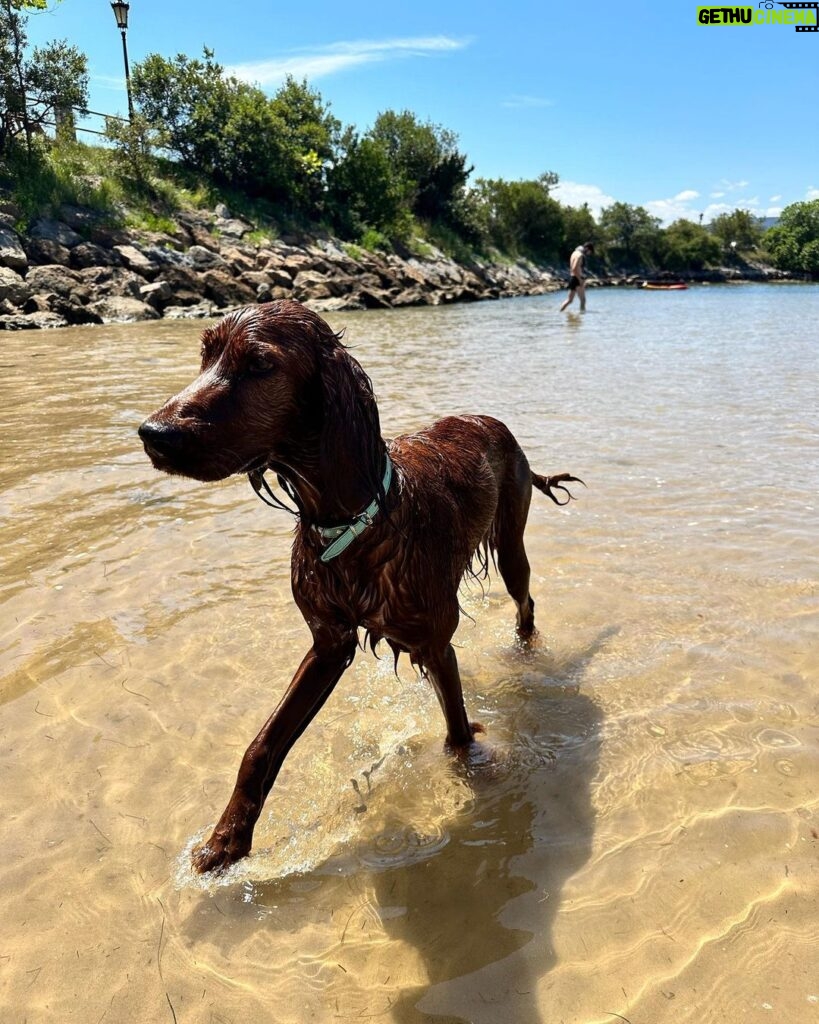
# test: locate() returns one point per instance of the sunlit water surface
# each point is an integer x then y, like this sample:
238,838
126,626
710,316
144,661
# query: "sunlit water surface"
638,839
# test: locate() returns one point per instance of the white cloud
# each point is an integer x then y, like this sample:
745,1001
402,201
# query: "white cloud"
752,205
678,206
572,193
329,60
812,193
116,84
684,204
527,101
733,186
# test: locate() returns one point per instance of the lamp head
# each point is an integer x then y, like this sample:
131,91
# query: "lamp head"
120,9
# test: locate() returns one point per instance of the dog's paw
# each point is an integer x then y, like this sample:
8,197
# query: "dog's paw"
526,638
217,854
463,746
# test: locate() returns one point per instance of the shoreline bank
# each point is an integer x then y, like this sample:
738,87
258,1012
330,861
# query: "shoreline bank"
79,270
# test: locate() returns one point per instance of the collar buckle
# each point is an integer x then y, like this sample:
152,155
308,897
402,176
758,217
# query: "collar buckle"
347,534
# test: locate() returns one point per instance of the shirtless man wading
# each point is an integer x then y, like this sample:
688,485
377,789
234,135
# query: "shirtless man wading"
577,270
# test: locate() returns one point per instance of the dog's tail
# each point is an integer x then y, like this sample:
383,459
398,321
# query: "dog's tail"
550,484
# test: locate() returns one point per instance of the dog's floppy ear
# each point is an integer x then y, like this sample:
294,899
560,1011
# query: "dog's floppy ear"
351,448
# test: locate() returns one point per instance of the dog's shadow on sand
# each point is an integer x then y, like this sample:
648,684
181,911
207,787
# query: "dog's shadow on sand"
487,902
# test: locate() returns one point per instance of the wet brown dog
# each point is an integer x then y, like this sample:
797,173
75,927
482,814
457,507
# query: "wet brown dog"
385,530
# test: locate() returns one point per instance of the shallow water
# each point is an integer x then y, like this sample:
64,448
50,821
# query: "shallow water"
639,838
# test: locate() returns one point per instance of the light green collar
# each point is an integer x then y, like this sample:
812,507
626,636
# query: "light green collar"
342,536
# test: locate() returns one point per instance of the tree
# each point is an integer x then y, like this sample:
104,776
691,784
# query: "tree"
35,90
794,242
739,226
186,101
579,226
430,170
277,147
631,235
521,216
363,190
689,246
308,139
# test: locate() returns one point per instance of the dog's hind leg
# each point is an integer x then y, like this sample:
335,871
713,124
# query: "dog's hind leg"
506,539
440,667
513,566
312,684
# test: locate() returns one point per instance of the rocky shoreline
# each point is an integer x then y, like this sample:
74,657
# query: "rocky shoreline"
76,269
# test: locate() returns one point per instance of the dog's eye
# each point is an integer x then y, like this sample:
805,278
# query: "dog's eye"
260,365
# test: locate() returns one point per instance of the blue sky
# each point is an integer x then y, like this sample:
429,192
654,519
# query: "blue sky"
630,101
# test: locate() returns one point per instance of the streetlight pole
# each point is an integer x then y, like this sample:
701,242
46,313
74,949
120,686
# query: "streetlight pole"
120,9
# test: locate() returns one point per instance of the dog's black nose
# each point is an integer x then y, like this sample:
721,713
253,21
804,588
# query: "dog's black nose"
159,436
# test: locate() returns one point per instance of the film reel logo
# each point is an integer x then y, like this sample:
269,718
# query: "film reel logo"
814,6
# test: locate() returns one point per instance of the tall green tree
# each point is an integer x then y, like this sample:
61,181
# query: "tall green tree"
521,217
363,190
739,226
187,102
579,226
35,88
307,138
794,242
278,147
689,246
429,168
631,235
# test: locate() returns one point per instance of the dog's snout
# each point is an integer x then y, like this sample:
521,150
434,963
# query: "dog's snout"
160,436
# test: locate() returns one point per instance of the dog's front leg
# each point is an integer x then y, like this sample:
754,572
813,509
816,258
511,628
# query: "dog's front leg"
440,666
311,686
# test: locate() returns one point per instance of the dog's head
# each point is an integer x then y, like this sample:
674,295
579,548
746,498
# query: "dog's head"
275,381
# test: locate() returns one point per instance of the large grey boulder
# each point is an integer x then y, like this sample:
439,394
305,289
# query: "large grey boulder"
120,309
71,312
44,251
308,284
12,253
80,218
31,321
232,228
413,296
61,280
186,285
158,294
225,290
200,311
136,261
55,231
13,288
204,259
87,254
164,256
238,261
10,209
334,304
111,281
279,277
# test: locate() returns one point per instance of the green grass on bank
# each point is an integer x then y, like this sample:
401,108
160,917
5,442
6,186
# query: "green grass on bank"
78,174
